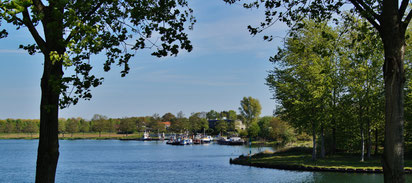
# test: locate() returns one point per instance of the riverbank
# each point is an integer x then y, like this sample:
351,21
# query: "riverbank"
300,158
75,136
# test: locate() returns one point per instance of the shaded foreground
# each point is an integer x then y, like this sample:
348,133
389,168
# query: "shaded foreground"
299,158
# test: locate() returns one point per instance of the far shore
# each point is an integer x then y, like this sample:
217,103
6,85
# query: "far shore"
74,136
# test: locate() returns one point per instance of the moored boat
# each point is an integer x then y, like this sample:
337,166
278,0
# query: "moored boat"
206,140
231,141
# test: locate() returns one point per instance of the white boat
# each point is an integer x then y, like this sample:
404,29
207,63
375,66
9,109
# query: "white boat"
206,140
146,136
186,141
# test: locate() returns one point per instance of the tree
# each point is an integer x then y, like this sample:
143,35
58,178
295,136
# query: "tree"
140,122
180,125
180,114
127,125
212,115
221,126
156,117
72,126
232,115
391,19
3,126
62,126
31,127
327,78
84,126
197,123
75,30
168,117
98,123
109,125
253,130
250,109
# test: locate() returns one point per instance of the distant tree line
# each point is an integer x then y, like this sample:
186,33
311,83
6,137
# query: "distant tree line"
224,123
19,126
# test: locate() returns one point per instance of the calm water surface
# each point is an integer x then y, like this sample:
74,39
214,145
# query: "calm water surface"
136,161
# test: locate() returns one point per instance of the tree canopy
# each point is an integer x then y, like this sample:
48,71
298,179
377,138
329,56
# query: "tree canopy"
69,32
390,19
250,109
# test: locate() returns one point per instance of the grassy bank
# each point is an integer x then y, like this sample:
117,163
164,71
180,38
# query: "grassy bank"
75,136
300,158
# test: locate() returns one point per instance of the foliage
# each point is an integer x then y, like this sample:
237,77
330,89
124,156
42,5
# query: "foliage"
127,125
253,130
197,123
168,117
98,123
116,28
221,126
250,109
72,125
274,129
212,115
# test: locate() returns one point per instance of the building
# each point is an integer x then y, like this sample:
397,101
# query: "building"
167,124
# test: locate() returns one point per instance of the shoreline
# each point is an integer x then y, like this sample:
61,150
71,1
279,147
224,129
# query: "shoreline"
261,162
75,136
305,168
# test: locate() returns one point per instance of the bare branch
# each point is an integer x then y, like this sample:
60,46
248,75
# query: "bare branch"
402,10
408,18
27,22
368,10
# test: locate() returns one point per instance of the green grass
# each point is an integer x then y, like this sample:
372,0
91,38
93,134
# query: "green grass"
302,157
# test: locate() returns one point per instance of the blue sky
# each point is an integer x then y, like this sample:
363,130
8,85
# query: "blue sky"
225,65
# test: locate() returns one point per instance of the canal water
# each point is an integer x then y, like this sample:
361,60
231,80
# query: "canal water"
136,161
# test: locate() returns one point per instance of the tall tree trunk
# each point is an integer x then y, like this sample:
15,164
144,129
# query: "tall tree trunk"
314,141
48,150
363,144
393,37
393,155
333,146
369,142
333,140
376,141
361,131
322,141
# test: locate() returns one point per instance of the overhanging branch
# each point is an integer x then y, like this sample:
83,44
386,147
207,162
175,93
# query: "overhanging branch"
27,22
408,18
84,20
403,7
365,11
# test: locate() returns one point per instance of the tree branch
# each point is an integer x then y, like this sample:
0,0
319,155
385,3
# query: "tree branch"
368,9
39,5
365,11
408,18
403,7
84,20
27,22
